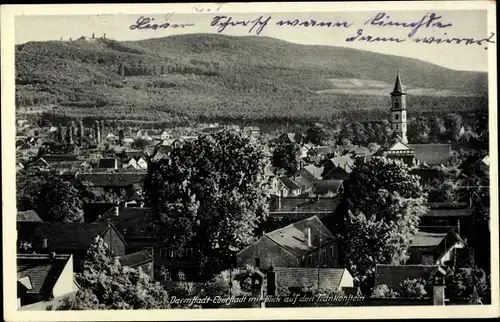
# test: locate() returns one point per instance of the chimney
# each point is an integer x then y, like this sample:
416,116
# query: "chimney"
271,281
52,255
458,227
117,211
308,234
45,243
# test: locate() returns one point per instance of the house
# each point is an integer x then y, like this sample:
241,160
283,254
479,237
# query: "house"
393,275
128,140
306,243
108,163
325,187
434,248
449,214
288,187
69,238
43,277
134,198
143,260
161,152
28,215
137,163
135,224
338,168
290,280
287,138
164,135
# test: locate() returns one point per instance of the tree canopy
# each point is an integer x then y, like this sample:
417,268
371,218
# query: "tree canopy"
286,157
210,196
53,198
381,208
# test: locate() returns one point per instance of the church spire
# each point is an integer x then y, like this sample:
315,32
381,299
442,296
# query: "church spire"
398,87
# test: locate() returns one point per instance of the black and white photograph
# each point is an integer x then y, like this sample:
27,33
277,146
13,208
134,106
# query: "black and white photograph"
266,157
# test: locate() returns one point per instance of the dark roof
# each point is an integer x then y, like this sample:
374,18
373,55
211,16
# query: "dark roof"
432,154
447,242
449,212
329,278
135,154
161,152
42,271
61,235
57,157
299,204
398,87
136,259
107,163
112,179
28,215
131,222
326,186
294,237
393,275
427,239
289,183
304,182
313,172
291,137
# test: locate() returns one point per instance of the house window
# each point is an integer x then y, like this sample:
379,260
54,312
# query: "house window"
395,116
257,262
171,254
427,259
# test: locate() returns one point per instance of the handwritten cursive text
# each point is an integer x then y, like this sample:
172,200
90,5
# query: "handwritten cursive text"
360,37
313,23
381,19
222,22
148,23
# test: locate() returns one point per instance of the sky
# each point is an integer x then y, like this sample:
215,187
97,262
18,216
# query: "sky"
471,23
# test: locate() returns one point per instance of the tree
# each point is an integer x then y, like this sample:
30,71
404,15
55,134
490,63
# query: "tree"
106,285
381,206
453,124
140,144
413,288
445,191
437,128
418,130
316,135
53,198
210,195
462,281
287,158
384,291
373,147
359,133
347,132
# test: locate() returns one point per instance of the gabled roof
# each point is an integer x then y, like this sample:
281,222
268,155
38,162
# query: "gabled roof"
427,239
315,171
393,275
344,162
450,240
289,183
294,239
131,222
304,182
107,163
28,215
42,271
291,137
136,259
135,154
432,154
61,235
327,277
112,179
162,151
326,186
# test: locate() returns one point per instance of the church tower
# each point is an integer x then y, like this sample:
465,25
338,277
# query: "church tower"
398,110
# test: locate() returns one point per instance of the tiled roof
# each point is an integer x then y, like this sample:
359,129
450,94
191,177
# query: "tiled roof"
28,215
329,278
326,186
60,235
427,239
304,182
432,154
107,163
314,171
294,237
344,161
136,259
42,271
131,222
393,275
112,179
289,183
299,204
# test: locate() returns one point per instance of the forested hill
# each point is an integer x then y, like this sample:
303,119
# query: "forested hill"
224,76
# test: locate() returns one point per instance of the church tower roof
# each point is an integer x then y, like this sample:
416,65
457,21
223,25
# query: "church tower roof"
398,87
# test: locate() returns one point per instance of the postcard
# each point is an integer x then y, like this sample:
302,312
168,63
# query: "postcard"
279,160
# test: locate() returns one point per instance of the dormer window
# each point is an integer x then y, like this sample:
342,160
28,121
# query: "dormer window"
396,117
